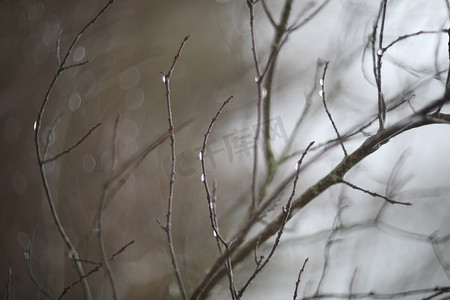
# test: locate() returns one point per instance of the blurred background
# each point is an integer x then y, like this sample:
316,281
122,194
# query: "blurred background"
127,49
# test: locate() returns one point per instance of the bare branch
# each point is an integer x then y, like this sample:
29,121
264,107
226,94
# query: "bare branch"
97,268
322,94
407,36
204,177
286,211
64,68
297,283
45,183
168,225
372,193
66,151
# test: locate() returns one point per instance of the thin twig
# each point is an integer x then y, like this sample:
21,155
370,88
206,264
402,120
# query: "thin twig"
168,226
204,177
406,36
286,211
66,151
322,94
297,283
99,265
211,199
372,193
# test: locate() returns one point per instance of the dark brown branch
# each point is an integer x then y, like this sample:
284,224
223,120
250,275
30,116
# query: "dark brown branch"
64,68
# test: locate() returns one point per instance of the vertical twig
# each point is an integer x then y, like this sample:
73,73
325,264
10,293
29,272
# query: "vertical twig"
377,64
322,94
168,226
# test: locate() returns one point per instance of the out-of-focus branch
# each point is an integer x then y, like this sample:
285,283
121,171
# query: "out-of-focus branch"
100,214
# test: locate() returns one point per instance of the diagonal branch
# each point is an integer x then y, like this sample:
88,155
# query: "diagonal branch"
66,151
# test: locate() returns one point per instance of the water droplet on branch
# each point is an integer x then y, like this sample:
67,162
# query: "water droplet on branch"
202,178
321,93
